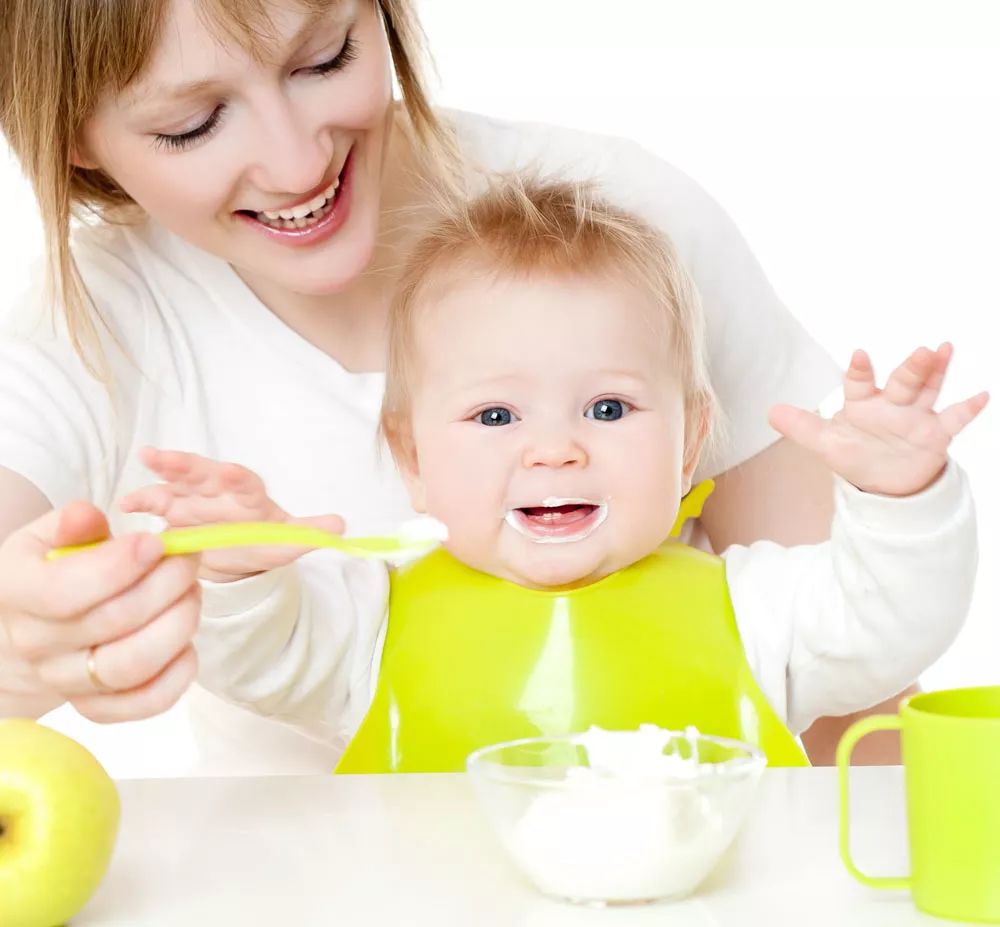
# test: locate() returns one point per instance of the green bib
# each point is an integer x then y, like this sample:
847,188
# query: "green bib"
471,660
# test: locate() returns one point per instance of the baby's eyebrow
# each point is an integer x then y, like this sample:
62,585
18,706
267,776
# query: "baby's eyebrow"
502,381
634,377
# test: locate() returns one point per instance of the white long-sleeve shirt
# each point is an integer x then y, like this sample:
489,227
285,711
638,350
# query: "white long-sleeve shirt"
205,366
828,628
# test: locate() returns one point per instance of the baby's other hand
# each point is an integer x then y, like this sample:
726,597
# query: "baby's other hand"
200,491
888,441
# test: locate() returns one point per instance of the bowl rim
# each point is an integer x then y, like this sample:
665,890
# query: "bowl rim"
477,763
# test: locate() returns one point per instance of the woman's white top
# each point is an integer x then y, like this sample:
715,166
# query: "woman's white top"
210,369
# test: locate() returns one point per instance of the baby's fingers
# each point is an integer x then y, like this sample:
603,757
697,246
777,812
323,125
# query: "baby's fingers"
187,471
804,428
956,417
859,381
932,388
154,500
908,380
241,482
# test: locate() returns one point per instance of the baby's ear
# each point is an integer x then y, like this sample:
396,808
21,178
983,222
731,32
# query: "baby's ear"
697,426
399,436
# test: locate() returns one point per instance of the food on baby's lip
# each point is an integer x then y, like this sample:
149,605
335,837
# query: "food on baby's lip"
617,816
556,520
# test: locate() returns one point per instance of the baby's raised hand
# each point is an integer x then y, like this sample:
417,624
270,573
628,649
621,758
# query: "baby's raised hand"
888,441
199,491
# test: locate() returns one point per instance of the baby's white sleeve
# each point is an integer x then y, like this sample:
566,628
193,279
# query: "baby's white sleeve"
835,628
296,644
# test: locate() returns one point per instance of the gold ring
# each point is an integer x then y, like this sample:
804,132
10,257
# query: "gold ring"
99,684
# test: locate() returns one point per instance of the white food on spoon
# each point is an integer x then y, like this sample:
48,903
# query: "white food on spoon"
422,530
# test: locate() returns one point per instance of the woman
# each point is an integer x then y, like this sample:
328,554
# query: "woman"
250,185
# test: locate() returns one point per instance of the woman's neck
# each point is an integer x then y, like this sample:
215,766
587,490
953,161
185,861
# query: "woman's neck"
350,325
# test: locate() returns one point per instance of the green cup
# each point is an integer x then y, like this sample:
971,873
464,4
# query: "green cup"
951,755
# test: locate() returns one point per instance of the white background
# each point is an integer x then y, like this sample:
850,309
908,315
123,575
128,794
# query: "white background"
855,143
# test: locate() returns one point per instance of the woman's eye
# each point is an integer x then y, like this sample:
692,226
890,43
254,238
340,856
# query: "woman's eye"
182,140
348,52
607,410
495,416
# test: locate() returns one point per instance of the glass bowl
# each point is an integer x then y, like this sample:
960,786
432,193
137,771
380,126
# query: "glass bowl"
617,817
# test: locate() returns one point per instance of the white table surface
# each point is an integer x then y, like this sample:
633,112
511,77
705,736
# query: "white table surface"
416,850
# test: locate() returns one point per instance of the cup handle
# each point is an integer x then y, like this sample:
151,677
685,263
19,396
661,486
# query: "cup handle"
844,749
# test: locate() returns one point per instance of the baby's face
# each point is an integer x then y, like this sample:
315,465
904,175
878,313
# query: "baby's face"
548,426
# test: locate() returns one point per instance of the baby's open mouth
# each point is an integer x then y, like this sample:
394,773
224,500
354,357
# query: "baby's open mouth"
558,520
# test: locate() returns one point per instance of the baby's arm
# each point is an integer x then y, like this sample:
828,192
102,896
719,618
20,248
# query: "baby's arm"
837,627
196,490
297,643
293,641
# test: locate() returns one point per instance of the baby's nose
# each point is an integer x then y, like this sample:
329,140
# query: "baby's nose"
554,451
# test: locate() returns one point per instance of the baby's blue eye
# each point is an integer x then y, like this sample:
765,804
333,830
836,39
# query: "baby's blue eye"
606,410
495,416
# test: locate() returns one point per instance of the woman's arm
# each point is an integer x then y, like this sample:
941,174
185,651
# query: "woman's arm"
21,692
785,494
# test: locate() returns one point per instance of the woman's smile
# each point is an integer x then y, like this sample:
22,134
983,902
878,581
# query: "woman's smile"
311,220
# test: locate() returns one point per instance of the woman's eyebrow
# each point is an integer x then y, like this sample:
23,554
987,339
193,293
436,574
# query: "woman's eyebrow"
170,93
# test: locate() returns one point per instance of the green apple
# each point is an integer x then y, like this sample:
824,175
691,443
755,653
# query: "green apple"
58,822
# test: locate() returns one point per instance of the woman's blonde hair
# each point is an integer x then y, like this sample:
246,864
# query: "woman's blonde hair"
523,226
58,57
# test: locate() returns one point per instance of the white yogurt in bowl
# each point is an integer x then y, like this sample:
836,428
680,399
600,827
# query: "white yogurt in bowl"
617,817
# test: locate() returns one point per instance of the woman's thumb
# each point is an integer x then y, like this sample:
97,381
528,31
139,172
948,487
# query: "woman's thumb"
77,523
80,523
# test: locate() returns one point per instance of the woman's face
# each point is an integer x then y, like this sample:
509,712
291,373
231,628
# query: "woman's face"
275,165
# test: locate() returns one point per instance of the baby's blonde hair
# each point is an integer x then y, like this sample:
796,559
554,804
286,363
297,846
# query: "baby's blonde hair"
525,226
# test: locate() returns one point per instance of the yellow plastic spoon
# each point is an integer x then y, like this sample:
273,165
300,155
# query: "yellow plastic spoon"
418,535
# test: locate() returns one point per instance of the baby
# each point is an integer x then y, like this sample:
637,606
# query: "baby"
547,398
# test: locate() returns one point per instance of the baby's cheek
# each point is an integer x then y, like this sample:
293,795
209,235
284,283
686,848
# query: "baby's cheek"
648,524
478,551
470,530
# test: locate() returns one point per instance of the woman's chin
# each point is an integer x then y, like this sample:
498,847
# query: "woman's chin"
319,275
324,269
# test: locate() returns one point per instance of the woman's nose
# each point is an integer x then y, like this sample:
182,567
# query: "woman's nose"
293,153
